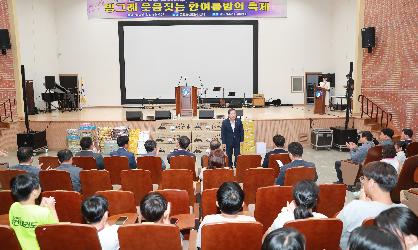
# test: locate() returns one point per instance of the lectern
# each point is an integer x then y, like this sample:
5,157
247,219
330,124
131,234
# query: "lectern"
320,94
186,100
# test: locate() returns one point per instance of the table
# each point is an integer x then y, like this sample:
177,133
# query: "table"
132,218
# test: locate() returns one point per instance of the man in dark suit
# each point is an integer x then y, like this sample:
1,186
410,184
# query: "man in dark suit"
86,144
279,141
232,135
123,143
183,144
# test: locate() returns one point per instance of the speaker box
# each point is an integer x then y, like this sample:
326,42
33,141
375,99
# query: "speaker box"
35,140
134,116
206,114
342,135
368,37
5,39
235,104
162,114
240,112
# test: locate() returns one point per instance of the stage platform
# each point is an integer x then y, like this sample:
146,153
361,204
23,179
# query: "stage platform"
294,123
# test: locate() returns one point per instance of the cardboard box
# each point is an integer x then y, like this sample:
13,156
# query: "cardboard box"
165,149
170,137
207,125
205,136
199,148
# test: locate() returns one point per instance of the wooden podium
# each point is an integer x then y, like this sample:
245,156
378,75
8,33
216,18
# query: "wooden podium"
186,101
320,94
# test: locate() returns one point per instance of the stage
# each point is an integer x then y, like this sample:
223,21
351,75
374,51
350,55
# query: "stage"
294,122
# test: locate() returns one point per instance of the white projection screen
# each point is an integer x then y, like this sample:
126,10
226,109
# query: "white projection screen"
157,56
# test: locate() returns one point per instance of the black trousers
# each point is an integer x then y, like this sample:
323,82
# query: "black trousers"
338,170
232,149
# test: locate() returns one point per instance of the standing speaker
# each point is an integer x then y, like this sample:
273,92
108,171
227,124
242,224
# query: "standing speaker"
5,39
368,37
162,114
134,116
206,114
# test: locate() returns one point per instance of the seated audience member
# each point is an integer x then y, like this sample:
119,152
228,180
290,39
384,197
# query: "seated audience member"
373,238
155,209
183,143
385,137
65,157
284,239
357,154
279,141
216,160
213,145
400,154
87,149
230,198
25,158
295,153
24,214
389,156
152,150
95,212
123,143
406,137
378,180
403,223
305,197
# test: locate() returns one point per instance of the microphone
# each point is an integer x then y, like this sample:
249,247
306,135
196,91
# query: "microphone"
185,79
181,77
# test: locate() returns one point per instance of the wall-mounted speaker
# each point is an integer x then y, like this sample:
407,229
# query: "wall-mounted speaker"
4,41
368,40
206,114
162,114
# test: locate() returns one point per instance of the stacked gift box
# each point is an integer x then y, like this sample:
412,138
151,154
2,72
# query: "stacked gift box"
248,147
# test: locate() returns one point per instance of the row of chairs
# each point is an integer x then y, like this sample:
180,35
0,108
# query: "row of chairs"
217,236
139,181
269,202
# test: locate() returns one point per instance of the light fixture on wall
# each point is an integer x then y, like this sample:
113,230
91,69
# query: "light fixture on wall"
4,41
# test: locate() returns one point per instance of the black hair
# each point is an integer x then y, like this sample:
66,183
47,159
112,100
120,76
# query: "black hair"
382,173
295,148
86,142
279,140
23,185
408,132
216,159
24,154
150,145
230,110
400,144
184,142
368,135
387,131
284,239
230,197
373,238
305,194
64,155
122,140
388,151
214,144
153,206
94,208
398,220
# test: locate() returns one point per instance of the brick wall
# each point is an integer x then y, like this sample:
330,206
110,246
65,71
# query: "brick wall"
7,77
390,73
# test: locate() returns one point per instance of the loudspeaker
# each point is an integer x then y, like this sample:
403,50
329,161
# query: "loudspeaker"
235,104
206,114
162,115
368,37
240,112
5,39
134,116
35,140
342,135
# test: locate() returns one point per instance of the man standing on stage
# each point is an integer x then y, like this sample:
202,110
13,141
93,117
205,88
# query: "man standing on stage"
232,134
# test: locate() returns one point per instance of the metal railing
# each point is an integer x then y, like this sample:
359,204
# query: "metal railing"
372,110
6,110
